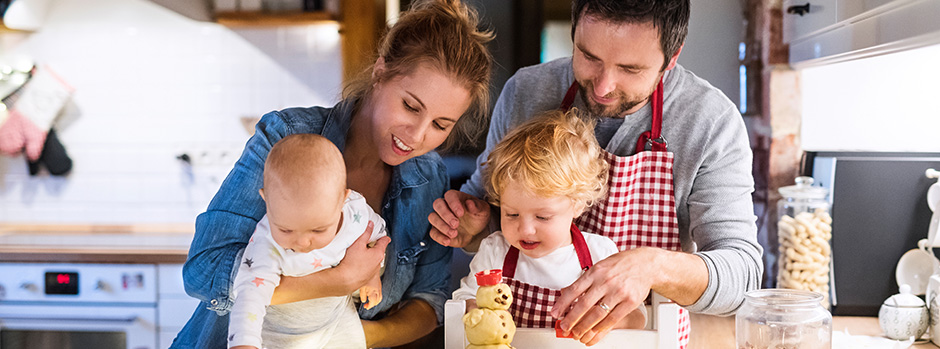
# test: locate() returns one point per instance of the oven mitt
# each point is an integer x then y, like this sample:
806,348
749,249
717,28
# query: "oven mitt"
53,157
19,134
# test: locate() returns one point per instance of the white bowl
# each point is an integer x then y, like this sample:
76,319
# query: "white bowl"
914,268
902,323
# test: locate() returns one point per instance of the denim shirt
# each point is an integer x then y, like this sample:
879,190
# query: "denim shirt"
415,266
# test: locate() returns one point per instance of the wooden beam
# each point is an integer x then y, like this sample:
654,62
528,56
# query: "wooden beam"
362,25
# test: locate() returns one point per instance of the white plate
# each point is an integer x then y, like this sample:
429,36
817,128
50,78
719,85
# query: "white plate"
914,268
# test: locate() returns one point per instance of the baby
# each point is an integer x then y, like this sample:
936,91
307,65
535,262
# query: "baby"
311,219
542,176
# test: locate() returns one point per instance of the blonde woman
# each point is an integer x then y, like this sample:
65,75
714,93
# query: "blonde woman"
428,87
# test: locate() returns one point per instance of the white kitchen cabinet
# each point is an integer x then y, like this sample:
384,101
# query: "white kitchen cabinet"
838,30
821,15
804,17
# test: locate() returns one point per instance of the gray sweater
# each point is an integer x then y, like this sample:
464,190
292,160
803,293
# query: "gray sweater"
712,171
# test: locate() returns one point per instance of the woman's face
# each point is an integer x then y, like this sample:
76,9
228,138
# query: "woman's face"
413,114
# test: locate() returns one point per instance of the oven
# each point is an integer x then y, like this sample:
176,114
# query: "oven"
65,306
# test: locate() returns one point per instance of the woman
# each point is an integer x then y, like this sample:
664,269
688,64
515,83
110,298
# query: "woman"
427,88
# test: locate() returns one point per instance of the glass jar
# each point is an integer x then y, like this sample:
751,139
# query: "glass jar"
783,319
804,229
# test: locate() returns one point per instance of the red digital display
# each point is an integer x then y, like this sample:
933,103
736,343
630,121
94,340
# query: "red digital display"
61,282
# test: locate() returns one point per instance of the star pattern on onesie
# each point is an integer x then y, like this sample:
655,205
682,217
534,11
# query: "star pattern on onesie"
317,262
252,317
249,262
258,282
356,217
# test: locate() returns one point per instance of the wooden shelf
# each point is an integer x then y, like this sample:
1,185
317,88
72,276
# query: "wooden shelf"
266,19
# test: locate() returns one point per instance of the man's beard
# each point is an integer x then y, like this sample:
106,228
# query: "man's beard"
598,110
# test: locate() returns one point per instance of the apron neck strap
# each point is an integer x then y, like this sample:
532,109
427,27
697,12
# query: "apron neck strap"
569,97
654,137
580,248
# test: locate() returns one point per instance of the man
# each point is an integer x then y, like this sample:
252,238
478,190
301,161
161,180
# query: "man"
680,159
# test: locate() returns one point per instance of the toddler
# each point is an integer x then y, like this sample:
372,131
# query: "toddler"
542,176
311,219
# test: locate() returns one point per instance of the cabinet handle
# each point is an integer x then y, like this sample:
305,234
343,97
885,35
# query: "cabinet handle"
798,9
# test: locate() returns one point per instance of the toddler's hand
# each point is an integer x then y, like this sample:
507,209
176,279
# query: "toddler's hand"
370,296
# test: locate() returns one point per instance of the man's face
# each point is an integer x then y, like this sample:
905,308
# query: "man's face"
617,65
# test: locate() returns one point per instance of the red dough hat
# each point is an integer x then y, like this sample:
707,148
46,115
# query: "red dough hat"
489,277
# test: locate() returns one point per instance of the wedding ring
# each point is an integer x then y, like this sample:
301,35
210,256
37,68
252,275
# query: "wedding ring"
604,306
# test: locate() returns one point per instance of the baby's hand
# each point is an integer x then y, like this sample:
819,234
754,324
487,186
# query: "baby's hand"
370,295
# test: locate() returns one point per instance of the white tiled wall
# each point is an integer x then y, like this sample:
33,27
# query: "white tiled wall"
152,84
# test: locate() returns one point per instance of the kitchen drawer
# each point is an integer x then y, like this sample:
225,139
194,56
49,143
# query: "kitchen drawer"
174,312
171,279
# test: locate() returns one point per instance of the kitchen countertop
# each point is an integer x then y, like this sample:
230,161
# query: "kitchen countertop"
716,332
90,243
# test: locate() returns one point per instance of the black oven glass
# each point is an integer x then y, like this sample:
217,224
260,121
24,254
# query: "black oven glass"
59,282
22,339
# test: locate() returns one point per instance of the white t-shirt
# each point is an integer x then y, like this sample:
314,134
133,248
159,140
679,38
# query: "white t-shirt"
556,270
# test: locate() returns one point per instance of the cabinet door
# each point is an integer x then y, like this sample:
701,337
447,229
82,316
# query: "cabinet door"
821,14
851,8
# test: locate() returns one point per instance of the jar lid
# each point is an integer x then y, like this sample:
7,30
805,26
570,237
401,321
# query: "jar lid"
803,189
905,298
489,277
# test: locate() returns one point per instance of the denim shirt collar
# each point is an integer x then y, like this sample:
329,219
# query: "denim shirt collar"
337,123
335,127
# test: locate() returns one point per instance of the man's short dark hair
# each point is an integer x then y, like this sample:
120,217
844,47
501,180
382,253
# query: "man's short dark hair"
670,17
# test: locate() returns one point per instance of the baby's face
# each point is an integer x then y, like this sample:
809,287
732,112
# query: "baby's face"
535,225
304,224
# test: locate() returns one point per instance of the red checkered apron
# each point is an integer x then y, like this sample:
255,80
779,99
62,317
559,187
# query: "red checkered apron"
531,304
640,207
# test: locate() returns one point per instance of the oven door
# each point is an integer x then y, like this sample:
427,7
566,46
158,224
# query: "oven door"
77,326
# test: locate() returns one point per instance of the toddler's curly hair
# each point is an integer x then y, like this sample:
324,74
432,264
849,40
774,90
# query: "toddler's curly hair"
553,154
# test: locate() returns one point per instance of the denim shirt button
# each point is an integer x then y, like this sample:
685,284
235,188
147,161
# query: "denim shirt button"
214,302
422,243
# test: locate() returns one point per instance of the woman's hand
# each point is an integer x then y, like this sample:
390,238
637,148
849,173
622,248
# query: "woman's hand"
458,219
360,265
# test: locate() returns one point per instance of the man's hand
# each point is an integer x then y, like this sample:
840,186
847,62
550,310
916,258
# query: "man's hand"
620,283
458,218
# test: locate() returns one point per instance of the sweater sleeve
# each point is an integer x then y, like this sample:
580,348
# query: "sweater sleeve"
500,123
722,221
